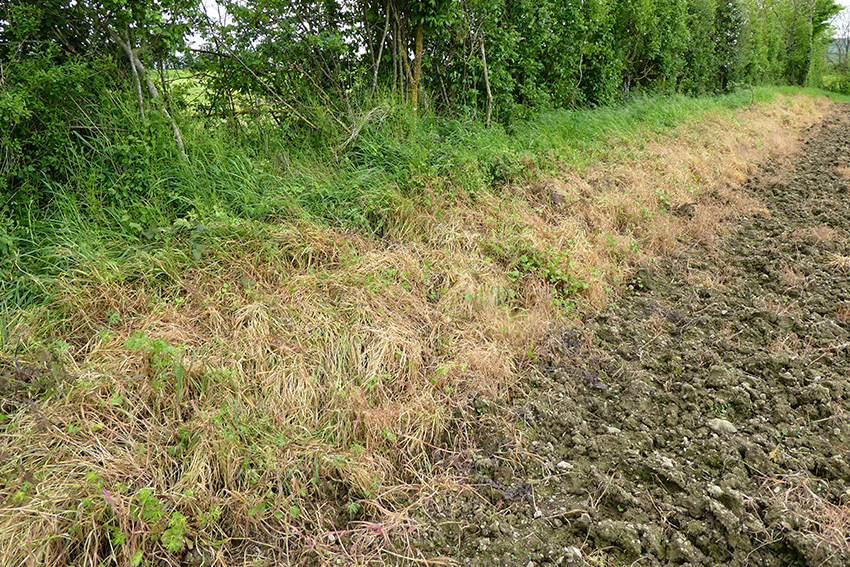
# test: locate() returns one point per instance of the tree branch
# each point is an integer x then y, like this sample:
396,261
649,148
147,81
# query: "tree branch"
140,68
381,51
486,84
137,81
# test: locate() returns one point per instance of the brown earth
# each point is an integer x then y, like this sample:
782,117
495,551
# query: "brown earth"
702,420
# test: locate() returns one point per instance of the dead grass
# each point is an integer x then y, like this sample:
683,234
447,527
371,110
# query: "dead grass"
706,280
802,504
792,345
778,305
283,398
789,277
274,388
839,262
682,184
816,234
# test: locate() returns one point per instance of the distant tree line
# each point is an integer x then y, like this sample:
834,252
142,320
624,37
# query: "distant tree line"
839,52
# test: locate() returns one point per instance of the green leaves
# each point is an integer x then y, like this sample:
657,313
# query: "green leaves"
174,537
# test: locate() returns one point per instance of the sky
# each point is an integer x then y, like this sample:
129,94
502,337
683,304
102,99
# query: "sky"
843,15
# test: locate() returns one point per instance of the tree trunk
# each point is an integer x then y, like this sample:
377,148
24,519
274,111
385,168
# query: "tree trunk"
809,64
381,50
138,91
811,46
486,85
139,68
402,50
138,84
396,63
417,66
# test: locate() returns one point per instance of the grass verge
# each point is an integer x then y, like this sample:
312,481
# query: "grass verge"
272,375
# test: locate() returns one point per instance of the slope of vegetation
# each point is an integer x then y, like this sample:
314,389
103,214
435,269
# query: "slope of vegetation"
242,298
276,382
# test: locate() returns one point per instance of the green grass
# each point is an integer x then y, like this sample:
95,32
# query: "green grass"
130,190
128,193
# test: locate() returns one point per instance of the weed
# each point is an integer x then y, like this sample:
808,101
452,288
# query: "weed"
720,409
553,267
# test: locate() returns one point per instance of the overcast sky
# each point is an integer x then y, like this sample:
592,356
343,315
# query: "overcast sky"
843,15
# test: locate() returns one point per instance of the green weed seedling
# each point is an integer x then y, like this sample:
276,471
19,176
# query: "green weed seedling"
353,508
174,537
164,360
663,200
146,507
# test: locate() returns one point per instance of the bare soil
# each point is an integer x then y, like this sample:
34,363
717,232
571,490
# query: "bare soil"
702,420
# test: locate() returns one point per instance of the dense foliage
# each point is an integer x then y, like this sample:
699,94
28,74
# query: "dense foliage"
519,56
95,95
837,77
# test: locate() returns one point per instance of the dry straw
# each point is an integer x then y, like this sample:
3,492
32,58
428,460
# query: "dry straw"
805,515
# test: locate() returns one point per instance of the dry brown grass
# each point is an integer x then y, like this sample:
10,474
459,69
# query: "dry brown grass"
802,504
816,234
789,277
792,345
839,262
706,280
284,397
267,384
682,184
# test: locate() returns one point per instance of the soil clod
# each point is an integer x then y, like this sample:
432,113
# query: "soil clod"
708,421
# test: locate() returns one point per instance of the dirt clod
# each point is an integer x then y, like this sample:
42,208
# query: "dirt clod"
707,422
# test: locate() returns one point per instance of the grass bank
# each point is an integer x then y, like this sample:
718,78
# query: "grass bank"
255,356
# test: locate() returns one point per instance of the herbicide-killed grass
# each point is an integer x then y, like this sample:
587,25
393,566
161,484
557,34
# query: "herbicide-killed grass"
263,390
263,397
800,502
839,262
816,234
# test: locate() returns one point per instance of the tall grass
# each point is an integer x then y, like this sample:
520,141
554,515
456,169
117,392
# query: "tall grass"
117,196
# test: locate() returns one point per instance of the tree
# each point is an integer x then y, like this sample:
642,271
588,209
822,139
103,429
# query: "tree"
136,26
296,62
840,52
806,27
63,79
651,36
412,21
82,29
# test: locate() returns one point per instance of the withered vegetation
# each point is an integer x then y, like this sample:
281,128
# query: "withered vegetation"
285,396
